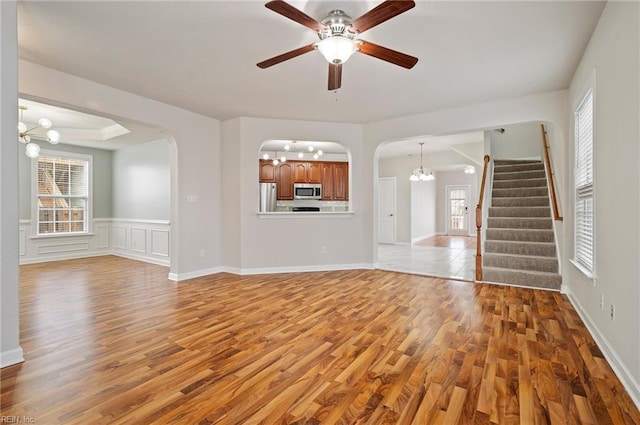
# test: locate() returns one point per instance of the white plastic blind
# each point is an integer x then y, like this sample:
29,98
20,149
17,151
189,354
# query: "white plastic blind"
584,183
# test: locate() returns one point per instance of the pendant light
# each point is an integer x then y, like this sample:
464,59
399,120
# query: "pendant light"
419,174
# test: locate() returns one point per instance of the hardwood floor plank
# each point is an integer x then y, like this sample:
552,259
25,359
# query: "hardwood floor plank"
112,341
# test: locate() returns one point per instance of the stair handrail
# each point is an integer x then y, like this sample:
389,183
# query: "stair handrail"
549,170
487,158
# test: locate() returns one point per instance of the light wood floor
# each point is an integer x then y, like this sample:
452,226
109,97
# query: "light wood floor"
111,341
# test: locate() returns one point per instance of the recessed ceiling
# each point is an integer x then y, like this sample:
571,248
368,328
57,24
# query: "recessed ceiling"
202,56
82,129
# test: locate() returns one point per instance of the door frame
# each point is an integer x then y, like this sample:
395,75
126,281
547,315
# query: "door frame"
447,202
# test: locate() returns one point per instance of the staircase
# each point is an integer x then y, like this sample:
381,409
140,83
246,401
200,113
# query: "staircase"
520,245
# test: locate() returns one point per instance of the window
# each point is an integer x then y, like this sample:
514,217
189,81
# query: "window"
584,220
62,193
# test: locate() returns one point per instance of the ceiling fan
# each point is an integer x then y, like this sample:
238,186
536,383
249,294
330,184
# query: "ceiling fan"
338,35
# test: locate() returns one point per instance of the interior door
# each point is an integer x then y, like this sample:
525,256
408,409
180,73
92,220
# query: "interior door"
458,210
387,210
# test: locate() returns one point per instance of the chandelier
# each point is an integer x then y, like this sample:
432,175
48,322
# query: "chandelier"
25,134
469,169
419,174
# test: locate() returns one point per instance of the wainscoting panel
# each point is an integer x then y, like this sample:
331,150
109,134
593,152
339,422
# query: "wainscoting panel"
160,243
102,231
148,240
119,237
138,239
22,241
144,240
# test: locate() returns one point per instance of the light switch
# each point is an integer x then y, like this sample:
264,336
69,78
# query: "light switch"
192,198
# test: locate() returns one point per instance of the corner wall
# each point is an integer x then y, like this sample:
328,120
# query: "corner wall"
613,55
10,350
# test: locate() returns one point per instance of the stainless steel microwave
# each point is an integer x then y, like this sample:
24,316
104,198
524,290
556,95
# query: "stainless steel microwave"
307,191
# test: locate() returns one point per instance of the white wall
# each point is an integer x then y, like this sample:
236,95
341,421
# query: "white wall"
141,182
195,158
286,242
423,209
520,141
10,350
614,54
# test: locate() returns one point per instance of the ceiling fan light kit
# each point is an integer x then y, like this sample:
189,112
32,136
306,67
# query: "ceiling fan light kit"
338,36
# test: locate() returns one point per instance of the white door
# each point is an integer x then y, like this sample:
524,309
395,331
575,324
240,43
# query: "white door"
458,210
387,210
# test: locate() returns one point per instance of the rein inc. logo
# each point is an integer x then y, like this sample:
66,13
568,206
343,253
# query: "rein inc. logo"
17,420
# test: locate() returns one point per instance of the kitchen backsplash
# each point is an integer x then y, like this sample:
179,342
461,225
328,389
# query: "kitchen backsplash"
325,206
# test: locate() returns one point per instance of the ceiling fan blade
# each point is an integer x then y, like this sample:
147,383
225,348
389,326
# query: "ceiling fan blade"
288,11
286,56
381,13
335,76
386,54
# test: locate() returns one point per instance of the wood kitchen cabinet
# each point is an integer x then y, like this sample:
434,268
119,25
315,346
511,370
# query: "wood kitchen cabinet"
334,177
284,181
267,171
340,181
335,181
326,175
306,172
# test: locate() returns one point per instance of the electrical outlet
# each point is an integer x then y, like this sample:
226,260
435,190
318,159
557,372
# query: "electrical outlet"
324,249
601,301
612,312
201,253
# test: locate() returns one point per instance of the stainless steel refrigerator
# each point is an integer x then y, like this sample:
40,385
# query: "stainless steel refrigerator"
268,197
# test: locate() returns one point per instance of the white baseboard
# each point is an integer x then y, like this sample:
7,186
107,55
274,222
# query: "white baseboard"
144,258
628,381
11,357
303,269
177,277
268,270
419,238
61,257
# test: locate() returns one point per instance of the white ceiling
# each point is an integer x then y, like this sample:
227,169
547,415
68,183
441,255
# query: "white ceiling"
202,55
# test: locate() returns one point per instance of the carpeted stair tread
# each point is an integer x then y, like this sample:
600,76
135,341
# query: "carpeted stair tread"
508,184
519,211
519,223
529,201
521,192
516,161
540,249
520,277
521,262
519,235
517,175
506,168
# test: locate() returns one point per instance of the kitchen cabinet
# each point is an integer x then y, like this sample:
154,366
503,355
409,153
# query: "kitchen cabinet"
326,176
334,177
335,181
341,181
306,172
284,181
267,171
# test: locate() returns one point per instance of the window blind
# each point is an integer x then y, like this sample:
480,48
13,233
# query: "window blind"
62,195
584,212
